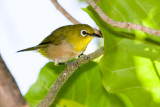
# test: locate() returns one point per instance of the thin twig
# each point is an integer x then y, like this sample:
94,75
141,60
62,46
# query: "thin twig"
65,13
55,88
128,25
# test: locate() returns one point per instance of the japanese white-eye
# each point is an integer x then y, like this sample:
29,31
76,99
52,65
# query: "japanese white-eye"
66,43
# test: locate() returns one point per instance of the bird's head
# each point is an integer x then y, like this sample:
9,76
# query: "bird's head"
81,34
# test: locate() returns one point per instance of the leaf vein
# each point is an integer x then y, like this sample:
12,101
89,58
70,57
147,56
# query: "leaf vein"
146,12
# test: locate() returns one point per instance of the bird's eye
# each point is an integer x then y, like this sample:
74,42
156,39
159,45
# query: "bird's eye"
84,33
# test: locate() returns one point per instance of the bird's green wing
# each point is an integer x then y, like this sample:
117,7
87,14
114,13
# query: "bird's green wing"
52,39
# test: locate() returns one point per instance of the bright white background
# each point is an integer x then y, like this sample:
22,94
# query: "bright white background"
25,23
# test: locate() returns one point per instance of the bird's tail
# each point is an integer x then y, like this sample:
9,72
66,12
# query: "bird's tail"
29,49
34,48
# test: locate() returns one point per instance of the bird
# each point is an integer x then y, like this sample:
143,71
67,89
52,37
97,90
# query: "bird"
65,43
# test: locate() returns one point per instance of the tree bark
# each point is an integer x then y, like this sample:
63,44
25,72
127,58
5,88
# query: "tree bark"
10,95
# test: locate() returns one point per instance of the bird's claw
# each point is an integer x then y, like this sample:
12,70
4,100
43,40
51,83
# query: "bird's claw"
85,56
69,63
61,63
72,63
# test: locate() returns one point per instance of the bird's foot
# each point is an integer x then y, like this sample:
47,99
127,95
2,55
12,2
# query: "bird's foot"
69,63
61,63
72,63
85,56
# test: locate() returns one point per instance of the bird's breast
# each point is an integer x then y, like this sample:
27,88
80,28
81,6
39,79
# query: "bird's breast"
62,52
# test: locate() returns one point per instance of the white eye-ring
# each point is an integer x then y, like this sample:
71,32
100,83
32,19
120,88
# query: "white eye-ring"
84,33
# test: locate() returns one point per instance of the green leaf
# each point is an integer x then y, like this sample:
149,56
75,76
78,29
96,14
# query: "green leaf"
47,76
83,89
130,66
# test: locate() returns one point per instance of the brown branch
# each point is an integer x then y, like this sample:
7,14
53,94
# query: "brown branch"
65,13
55,88
128,25
10,95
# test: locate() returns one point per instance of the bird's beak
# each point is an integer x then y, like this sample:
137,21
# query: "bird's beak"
97,34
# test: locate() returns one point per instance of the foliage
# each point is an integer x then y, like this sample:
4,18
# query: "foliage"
83,89
130,66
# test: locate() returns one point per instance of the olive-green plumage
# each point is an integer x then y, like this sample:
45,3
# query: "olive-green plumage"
65,43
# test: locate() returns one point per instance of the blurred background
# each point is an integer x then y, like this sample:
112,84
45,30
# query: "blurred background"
25,23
